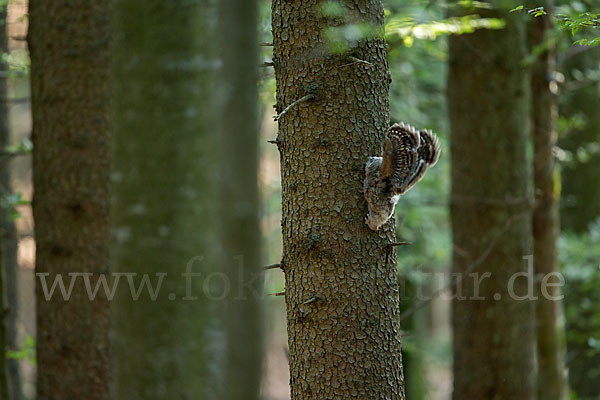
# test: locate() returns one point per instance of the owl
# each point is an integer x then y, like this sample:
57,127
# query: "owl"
406,155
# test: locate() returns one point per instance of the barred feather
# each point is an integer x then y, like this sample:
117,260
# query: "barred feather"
406,155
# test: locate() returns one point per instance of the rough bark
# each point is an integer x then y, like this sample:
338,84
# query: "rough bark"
341,286
239,198
551,380
164,200
494,337
68,43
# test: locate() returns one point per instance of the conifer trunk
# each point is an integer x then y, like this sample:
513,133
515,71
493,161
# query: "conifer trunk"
69,47
494,336
551,381
341,286
240,234
167,345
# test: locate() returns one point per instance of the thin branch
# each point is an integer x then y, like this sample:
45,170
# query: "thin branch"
400,244
288,108
276,294
274,266
266,44
359,61
311,300
356,61
267,64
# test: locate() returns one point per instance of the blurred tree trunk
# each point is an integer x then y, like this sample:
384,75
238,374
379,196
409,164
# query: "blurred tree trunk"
494,337
341,285
164,201
580,193
412,353
8,241
239,198
68,43
551,381
5,310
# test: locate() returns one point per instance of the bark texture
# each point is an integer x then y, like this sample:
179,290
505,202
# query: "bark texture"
68,42
552,376
239,198
494,337
341,286
166,345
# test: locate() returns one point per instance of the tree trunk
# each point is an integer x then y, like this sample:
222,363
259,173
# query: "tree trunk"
551,381
5,311
164,208
494,338
239,198
341,284
8,241
68,43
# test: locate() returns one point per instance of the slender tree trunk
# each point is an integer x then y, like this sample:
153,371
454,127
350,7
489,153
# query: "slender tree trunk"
8,241
239,197
68,43
341,286
552,382
494,337
164,209
5,311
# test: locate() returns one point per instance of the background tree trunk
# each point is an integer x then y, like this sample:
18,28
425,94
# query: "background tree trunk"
8,241
68,43
5,310
239,198
494,339
164,209
551,380
341,284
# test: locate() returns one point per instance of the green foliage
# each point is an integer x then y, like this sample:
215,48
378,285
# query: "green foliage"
332,9
340,39
11,202
580,265
346,28
25,147
408,29
569,20
26,352
18,63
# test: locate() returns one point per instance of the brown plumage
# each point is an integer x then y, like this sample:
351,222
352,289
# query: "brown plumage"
406,155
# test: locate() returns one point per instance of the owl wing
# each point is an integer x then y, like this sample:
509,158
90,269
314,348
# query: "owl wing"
399,156
428,152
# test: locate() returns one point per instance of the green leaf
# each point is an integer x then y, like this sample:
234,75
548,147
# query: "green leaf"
517,8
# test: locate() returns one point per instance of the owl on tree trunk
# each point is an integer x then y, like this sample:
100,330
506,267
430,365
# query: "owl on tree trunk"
406,155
